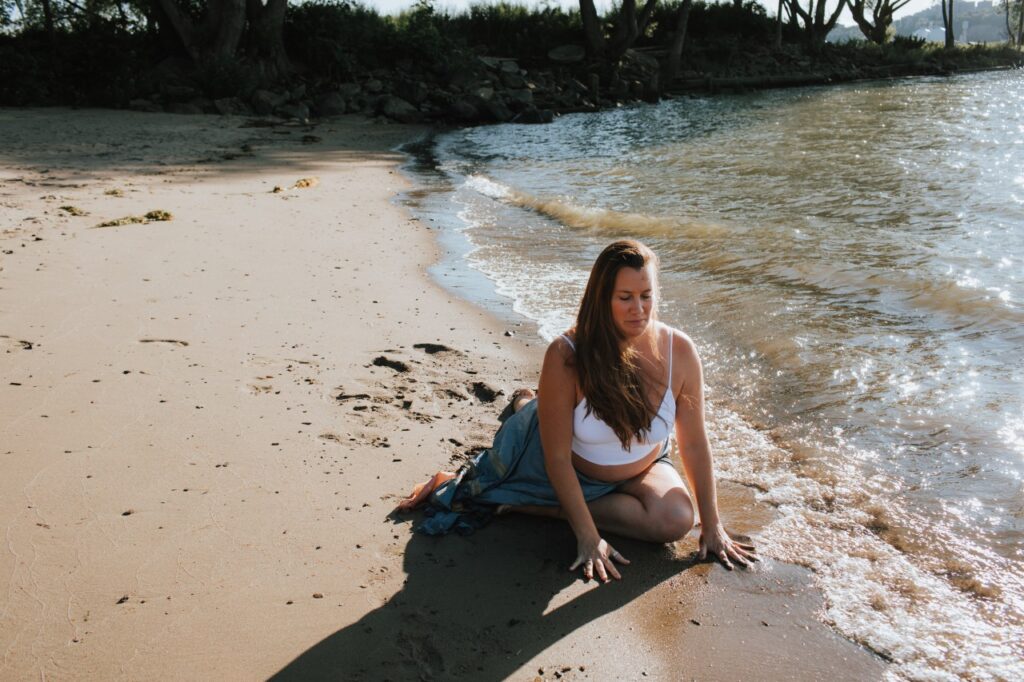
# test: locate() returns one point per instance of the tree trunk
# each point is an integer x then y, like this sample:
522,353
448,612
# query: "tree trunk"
183,27
630,27
48,20
675,50
816,25
592,31
1020,23
266,37
229,28
219,35
778,27
1010,39
947,21
875,29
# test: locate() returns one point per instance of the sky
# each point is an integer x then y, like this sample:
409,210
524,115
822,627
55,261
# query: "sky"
394,6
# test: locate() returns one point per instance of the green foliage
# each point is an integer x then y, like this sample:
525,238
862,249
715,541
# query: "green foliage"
101,49
73,16
749,23
514,30
339,39
908,42
420,35
333,38
92,65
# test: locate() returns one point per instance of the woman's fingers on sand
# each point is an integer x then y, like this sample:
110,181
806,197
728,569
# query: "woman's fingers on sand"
748,552
602,568
740,559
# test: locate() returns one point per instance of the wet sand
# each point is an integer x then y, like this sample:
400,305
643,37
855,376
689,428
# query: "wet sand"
206,420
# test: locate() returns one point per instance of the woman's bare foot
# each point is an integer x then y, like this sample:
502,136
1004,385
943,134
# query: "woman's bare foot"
520,397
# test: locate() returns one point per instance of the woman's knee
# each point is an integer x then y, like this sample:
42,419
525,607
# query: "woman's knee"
673,520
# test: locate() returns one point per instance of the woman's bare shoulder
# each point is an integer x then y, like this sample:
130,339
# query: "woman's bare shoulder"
684,350
564,345
681,341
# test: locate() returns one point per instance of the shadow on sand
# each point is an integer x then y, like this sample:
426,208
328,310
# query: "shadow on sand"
479,606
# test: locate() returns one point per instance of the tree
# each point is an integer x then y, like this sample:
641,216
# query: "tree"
675,48
1020,23
628,27
816,25
593,33
778,25
229,30
876,28
1010,38
947,21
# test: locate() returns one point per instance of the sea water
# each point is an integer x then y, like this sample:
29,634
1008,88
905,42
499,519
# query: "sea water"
850,263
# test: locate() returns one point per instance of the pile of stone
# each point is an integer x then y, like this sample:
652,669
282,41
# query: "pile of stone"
475,89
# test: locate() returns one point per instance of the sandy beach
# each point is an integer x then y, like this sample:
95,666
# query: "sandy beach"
206,420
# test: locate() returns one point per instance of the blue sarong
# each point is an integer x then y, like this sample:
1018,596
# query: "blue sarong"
510,472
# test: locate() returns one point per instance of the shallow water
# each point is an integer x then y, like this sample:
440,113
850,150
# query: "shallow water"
850,261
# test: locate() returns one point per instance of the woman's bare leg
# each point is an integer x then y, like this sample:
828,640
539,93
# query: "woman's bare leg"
654,507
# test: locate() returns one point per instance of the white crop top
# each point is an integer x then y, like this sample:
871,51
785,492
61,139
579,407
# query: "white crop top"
594,440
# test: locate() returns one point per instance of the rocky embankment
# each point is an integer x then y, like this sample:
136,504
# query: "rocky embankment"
484,89
478,89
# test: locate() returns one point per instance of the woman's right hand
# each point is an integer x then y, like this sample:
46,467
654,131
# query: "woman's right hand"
598,559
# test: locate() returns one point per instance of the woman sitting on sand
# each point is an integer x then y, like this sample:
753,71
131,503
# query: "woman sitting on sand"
593,446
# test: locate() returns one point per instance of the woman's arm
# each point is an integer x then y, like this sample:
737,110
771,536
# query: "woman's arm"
695,452
556,401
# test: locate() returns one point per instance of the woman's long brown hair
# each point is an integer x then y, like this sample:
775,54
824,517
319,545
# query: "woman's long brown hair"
609,375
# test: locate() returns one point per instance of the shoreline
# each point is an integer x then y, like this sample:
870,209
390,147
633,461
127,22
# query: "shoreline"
202,445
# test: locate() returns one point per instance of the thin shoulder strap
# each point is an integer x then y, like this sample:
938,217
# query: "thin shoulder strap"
670,335
569,341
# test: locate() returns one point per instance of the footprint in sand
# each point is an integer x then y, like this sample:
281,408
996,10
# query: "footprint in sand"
435,348
10,344
384,361
332,437
172,342
293,370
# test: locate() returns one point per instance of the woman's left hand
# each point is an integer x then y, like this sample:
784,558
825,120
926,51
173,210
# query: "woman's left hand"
715,540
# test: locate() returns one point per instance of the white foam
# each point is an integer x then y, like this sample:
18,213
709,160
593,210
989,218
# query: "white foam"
874,593
488,187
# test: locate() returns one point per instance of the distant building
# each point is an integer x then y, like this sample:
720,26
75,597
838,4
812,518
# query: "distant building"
931,33
980,22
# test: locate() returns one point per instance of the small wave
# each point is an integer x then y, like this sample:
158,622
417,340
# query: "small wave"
961,301
933,624
950,298
969,305
592,218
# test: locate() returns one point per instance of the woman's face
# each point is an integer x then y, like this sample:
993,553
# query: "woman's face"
633,300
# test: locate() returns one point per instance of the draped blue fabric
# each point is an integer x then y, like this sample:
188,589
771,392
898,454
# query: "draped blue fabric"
511,472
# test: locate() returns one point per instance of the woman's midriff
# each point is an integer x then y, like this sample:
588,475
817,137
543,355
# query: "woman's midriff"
613,473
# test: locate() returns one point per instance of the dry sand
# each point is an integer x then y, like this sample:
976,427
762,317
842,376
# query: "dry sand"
199,447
